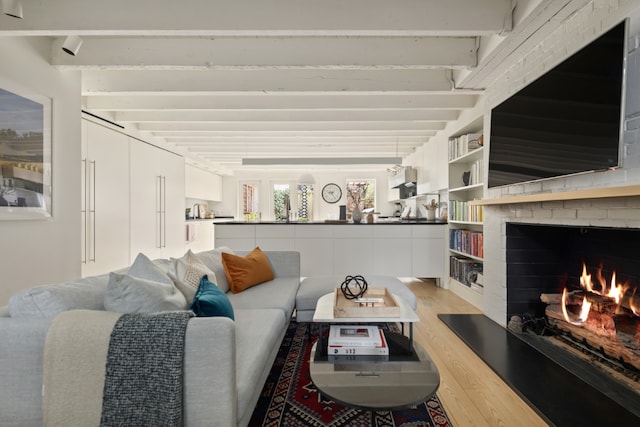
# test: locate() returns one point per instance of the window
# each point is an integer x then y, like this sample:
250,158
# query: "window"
250,200
301,203
305,202
362,192
280,193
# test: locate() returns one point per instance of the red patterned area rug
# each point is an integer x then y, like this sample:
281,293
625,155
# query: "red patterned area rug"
289,398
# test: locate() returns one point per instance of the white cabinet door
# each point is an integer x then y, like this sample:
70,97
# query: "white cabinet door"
315,244
105,204
353,249
277,237
391,250
203,233
427,252
157,202
238,237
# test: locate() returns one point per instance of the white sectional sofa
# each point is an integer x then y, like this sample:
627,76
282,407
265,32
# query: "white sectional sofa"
226,361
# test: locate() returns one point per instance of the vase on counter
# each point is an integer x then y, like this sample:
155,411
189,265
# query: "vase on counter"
356,215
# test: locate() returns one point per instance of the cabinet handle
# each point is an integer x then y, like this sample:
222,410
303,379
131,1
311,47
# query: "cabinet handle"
84,209
159,211
164,211
92,210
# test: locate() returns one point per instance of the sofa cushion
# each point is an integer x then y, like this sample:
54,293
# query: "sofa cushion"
278,293
187,272
144,289
210,301
52,299
213,260
258,337
244,272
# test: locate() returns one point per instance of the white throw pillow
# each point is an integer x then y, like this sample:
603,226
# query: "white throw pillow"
130,294
186,273
145,288
213,260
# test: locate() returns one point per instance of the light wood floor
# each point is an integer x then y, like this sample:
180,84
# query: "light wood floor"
471,393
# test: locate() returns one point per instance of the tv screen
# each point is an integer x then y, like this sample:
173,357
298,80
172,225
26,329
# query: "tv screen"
565,122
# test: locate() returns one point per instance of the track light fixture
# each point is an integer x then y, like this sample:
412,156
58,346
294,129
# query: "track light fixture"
72,45
12,8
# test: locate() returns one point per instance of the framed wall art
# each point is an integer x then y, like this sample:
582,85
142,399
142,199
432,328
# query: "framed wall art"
25,155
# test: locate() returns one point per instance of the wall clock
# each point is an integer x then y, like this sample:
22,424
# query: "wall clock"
331,193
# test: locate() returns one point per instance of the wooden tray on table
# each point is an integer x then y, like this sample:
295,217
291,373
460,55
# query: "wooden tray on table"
388,307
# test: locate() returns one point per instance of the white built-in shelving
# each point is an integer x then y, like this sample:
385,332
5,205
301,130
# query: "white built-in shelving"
465,240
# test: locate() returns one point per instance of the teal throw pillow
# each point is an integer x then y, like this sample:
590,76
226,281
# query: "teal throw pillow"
210,301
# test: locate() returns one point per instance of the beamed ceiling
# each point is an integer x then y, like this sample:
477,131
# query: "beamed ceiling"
223,80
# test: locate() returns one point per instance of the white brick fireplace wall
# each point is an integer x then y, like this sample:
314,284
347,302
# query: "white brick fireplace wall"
594,19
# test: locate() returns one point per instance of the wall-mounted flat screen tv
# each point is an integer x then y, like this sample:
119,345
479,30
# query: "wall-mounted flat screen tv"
565,122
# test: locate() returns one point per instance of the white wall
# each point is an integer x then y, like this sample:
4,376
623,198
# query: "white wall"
593,20
44,251
322,209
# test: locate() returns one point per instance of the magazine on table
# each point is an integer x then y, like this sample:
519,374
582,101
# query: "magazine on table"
357,341
355,335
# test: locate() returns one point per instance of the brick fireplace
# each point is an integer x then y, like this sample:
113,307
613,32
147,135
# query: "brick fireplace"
606,213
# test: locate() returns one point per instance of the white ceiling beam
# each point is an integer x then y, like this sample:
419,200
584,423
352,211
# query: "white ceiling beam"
295,126
182,132
535,26
240,53
292,140
265,17
265,80
278,101
284,116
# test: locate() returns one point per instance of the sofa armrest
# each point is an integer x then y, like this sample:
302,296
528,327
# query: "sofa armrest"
210,392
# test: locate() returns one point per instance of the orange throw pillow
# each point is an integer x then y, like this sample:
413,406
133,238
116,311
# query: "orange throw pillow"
245,271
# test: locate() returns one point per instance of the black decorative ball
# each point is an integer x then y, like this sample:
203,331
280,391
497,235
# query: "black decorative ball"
359,287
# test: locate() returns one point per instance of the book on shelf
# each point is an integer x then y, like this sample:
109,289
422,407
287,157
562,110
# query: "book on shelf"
467,241
357,340
465,271
463,144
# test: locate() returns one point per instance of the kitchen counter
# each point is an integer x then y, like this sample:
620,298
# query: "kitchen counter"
216,219
418,221
400,249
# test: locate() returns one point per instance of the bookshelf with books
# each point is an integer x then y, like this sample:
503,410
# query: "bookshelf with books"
466,171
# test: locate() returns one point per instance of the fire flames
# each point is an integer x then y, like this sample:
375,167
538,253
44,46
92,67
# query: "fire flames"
615,292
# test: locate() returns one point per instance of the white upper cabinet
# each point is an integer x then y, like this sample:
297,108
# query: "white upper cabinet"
202,185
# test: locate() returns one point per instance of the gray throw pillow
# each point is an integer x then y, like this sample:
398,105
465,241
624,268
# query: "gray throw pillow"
52,299
144,268
129,294
145,288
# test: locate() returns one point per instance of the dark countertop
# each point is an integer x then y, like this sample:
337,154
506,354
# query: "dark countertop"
420,221
208,219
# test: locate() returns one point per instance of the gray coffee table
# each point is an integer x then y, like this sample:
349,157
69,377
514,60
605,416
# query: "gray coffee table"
407,378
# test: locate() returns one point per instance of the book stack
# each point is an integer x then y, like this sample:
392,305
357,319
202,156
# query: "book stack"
463,144
467,241
357,340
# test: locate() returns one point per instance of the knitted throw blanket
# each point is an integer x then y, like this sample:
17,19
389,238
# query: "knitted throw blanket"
143,384
111,369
